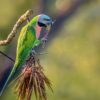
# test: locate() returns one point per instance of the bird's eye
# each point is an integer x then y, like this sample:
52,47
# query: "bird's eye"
41,24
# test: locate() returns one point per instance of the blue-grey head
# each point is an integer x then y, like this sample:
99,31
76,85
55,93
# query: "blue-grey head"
45,21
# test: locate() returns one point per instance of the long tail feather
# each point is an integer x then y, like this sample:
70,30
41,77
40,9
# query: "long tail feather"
15,68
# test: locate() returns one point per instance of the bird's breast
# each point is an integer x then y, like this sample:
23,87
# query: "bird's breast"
38,31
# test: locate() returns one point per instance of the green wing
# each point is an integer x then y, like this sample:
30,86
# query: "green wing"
26,42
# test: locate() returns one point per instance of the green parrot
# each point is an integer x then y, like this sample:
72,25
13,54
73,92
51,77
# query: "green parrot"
29,38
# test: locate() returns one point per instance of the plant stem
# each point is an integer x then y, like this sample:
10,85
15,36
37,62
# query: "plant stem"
7,56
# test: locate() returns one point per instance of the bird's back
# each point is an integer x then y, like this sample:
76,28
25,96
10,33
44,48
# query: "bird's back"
25,44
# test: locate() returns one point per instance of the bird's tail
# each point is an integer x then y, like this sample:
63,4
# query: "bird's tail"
15,68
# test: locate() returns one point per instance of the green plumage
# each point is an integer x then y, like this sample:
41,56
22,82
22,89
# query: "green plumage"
26,41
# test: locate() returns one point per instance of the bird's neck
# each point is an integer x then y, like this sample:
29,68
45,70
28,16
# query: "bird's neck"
38,31
33,22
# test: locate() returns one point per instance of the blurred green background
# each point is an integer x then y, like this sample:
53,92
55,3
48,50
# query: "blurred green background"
73,60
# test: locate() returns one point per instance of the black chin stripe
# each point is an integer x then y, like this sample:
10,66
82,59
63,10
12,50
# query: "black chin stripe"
41,24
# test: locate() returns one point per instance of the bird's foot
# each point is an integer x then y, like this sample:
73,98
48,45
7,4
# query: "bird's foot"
33,52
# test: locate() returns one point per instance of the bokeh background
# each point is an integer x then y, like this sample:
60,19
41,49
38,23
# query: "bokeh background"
73,60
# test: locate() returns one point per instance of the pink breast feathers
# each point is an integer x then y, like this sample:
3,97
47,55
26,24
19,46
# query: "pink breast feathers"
38,31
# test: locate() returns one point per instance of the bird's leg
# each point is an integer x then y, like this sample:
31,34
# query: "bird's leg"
33,52
33,56
31,59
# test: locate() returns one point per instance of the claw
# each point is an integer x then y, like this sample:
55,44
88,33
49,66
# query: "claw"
33,52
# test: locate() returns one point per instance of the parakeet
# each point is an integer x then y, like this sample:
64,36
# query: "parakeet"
29,38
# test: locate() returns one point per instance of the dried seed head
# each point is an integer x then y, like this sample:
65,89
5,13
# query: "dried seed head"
32,79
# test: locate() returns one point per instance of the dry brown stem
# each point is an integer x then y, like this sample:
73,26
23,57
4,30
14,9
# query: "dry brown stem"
21,20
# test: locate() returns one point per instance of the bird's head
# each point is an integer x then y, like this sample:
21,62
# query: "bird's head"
45,22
